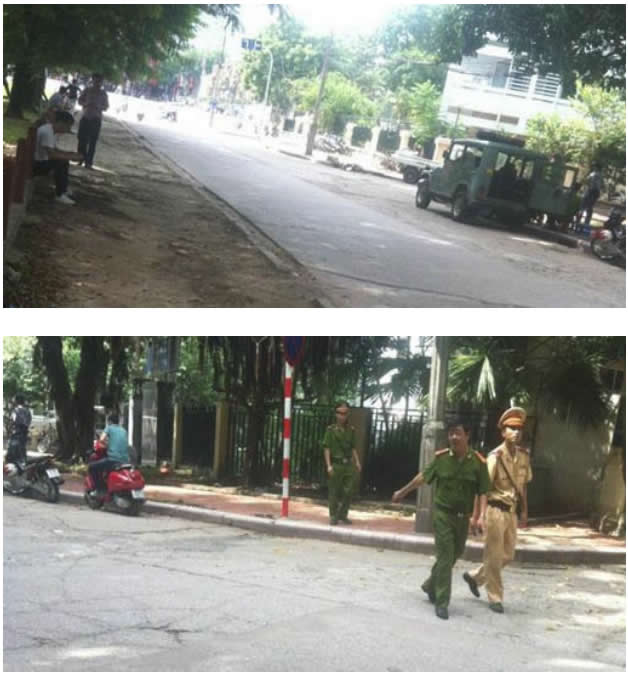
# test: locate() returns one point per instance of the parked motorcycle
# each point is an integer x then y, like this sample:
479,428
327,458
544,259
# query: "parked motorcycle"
169,115
37,475
125,489
609,241
329,143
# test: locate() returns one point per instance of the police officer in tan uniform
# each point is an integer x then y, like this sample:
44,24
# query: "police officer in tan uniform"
509,471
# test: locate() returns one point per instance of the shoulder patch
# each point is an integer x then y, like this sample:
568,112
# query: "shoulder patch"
442,452
479,456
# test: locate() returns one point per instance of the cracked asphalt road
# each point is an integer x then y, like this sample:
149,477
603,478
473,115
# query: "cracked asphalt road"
99,591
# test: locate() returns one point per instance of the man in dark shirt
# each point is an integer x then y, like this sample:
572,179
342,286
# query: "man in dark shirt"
94,101
21,418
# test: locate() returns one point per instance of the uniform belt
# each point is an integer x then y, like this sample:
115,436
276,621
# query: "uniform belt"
451,510
341,461
500,505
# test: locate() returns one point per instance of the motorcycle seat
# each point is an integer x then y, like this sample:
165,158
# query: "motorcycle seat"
122,466
30,460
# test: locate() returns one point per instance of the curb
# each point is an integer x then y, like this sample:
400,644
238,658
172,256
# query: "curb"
263,243
418,544
557,237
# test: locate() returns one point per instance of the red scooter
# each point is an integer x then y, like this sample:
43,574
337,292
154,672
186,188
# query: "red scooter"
125,486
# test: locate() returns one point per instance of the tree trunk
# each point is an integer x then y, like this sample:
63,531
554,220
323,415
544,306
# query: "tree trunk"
93,364
382,401
36,91
52,355
119,372
20,95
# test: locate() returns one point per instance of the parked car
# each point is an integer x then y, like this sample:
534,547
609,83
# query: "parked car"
502,180
412,166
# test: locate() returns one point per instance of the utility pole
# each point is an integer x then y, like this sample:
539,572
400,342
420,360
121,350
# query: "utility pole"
213,102
433,431
270,74
312,134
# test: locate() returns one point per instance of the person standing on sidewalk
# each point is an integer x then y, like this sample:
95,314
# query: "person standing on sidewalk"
509,471
340,457
592,193
94,101
459,475
21,419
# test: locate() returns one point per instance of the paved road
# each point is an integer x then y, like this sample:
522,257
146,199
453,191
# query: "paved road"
90,590
366,242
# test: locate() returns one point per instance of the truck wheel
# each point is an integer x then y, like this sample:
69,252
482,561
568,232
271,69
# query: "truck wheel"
410,175
459,206
423,197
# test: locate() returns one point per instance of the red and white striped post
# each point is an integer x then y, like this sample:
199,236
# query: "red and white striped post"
287,432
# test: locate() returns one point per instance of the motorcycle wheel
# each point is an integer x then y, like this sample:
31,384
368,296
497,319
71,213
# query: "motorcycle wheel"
135,508
51,489
92,503
599,249
12,491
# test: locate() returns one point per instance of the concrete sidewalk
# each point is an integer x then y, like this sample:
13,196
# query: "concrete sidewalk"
374,524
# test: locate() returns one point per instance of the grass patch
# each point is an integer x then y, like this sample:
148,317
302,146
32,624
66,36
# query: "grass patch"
14,129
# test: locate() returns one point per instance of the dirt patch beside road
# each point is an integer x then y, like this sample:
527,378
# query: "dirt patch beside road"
142,236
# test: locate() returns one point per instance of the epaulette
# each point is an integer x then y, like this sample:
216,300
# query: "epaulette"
442,452
526,451
480,456
496,452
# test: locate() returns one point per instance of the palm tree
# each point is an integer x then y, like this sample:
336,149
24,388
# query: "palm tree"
560,373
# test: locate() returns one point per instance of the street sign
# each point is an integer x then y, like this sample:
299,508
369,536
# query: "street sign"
251,45
293,349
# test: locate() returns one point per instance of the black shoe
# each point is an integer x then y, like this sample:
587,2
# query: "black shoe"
347,521
473,585
430,593
442,612
333,522
496,607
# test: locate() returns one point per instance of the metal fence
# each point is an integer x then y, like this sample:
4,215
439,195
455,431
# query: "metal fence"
392,449
198,430
306,460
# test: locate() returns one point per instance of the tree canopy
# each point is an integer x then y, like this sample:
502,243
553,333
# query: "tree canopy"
112,39
577,42
597,134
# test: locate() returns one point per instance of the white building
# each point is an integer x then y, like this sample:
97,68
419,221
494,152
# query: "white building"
487,92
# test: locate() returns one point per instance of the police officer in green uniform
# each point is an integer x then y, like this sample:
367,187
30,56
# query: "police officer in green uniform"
340,457
458,475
